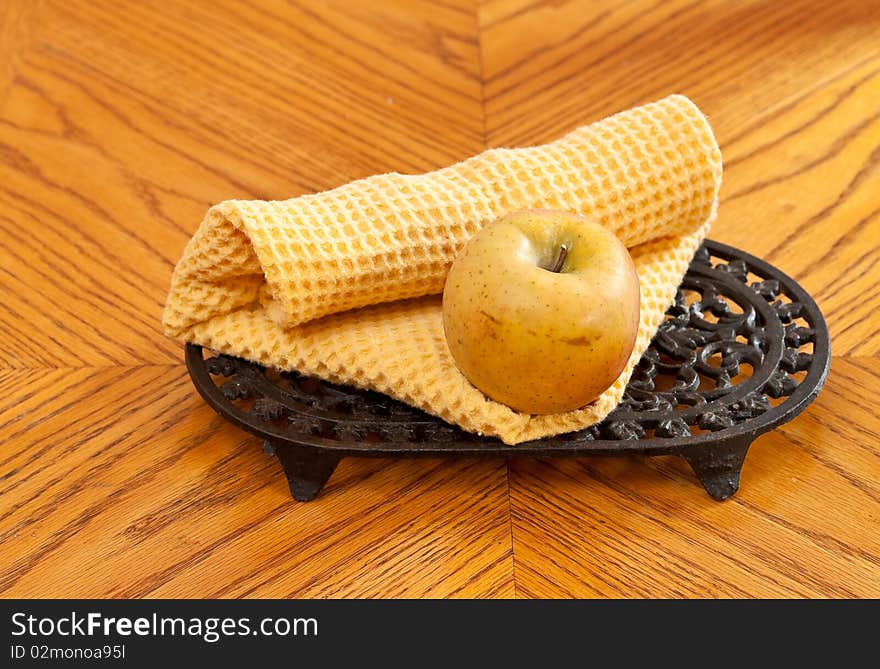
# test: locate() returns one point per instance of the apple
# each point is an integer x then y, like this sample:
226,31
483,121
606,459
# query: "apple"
541,310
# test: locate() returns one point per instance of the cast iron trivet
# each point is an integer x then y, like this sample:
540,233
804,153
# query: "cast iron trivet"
743,349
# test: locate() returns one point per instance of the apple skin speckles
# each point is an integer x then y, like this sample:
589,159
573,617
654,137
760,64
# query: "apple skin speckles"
577,341
489,317
537,340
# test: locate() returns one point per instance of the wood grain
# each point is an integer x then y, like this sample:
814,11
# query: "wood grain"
119,126
120,123
122,483
806,522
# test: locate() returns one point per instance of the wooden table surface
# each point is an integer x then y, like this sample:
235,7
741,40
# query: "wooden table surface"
121,123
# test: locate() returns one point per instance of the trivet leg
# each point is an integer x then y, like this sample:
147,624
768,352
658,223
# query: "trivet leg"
718,466
307,469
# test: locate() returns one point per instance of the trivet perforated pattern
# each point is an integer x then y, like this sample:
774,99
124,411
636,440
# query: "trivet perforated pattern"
743,349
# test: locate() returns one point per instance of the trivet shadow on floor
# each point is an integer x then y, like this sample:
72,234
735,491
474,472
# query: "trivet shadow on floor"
743,349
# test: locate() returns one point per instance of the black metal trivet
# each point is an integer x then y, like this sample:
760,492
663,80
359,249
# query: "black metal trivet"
743,349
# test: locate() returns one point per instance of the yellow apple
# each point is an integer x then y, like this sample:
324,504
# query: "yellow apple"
541,310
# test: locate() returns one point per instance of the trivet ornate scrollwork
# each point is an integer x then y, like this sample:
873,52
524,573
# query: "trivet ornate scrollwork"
743,349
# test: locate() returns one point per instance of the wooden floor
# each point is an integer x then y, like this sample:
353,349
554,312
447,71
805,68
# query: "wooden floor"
120,123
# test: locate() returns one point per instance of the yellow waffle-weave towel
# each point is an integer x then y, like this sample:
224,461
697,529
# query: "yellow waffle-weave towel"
345,284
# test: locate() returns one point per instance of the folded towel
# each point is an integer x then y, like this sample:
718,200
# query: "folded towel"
345,284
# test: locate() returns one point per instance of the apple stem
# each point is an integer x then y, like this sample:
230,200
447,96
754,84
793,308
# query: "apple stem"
560,259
